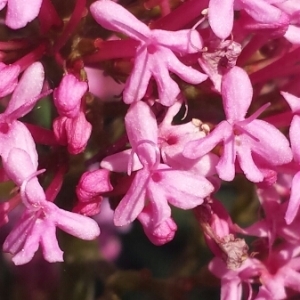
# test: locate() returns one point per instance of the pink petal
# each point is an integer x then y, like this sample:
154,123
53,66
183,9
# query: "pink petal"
8,78
18,137
182,188
51,251
77,225
294,137
21,245
137,83
134,200
2,4
226,164
141,124
261,11
220,17
247,164
237,94
114,17
198,148
119,162
294,201
18,166
293,101
293,34
181,41
272,146
168,89
27,91
19,12
186,73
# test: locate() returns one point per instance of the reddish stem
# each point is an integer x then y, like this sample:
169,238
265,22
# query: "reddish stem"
41,135
48,17
112,50
76,16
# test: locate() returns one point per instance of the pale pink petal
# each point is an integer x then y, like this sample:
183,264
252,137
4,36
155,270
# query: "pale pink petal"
18,166
141,124
8,78
18,137
27,91
19,12
114,17
220,17
168,89
237,94
182,41
231,290
294,201
51,251
2,4
261,11
226,164
247,164
23,246
198,148
291,279
137,83
134,200
293,101
77,225
294,137
271,145
119,162
184,72
182,188
293,34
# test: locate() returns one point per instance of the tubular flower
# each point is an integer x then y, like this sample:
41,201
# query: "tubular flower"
154,55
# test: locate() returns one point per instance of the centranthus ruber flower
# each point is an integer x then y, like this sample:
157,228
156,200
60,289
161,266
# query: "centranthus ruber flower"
154,182
38,223
254,142
154,55
20,12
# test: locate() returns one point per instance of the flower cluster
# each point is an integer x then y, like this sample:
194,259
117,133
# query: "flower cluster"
234,71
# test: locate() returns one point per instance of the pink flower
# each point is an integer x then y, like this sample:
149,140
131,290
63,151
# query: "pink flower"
20,12
73,132
294,202
38,223
155,182
14,133
154,56
248,139
67,97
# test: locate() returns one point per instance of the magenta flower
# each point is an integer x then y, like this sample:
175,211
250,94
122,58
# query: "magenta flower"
20,12
154,56
248,139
